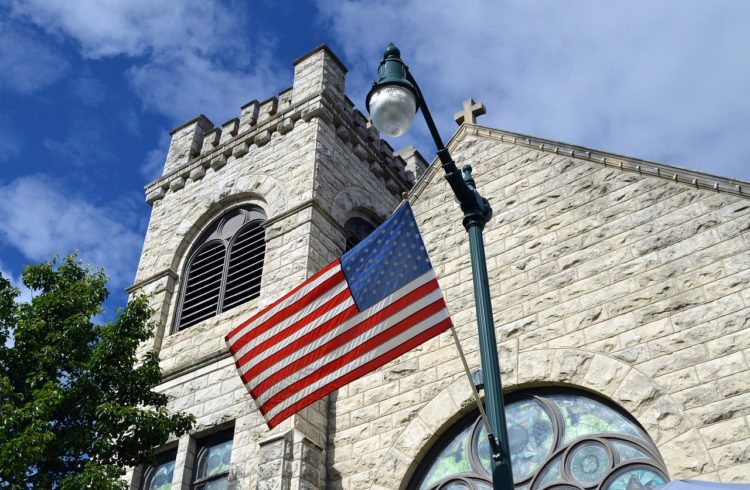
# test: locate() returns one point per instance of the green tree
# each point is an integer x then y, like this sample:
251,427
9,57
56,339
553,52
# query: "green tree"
76,404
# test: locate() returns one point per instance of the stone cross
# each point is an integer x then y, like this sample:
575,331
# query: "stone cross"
471,111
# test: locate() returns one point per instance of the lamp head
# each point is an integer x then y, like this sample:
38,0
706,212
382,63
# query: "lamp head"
392,100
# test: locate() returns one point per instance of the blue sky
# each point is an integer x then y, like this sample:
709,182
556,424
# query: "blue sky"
89,91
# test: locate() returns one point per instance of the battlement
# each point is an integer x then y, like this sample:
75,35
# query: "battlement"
317,92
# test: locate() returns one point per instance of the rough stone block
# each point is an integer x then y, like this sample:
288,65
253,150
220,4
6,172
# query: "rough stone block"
723,366
534,366
241,150
605,374
218,161
262,138
686,456
664,420
726,432
636,392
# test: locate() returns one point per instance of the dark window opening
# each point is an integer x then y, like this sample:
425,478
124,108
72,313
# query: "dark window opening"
225,267
356,230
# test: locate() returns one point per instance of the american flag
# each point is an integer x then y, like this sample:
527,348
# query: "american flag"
377,301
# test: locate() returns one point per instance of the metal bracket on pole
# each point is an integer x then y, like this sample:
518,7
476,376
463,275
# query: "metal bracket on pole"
497,452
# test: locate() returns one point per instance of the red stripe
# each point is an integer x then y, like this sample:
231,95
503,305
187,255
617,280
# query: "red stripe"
254,317
353,354
282,315
290,329
360,371
334,343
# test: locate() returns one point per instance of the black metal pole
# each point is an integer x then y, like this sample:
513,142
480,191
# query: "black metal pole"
477,212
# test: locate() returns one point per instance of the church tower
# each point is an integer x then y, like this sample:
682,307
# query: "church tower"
241,214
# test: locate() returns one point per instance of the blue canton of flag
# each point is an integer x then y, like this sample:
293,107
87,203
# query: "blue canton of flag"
377,302
386,260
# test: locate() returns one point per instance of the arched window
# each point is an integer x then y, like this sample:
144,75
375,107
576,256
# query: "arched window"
224,268
356,230
159,475
559,440
211,471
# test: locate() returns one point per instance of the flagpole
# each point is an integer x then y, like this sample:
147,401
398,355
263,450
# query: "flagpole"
392,102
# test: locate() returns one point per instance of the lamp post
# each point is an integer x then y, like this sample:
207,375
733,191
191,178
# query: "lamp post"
392,102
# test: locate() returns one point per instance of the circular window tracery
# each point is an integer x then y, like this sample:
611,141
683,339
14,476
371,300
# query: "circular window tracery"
558,441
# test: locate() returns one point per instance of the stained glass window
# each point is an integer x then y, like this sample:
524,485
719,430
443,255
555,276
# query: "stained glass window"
214,457
561,440
159,475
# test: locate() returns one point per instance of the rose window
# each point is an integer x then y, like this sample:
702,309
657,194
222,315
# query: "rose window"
558,441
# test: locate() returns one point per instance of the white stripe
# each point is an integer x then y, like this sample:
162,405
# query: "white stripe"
292,319
388,300
359,361
340,351
283,304
383,325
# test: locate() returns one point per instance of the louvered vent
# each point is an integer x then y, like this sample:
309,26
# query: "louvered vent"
225,268
245,266
203,285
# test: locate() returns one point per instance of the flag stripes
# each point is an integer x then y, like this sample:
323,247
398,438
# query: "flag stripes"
296,295
337,383
351,343
336,327
360,312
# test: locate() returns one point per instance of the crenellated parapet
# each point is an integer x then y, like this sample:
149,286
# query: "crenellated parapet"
317,94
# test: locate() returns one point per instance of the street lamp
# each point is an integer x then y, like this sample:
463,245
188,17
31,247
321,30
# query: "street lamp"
392,102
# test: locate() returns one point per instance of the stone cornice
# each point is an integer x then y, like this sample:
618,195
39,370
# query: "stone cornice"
154,277
310,203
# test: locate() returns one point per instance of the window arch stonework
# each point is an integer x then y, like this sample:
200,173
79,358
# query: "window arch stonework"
224,267
559,440
611,378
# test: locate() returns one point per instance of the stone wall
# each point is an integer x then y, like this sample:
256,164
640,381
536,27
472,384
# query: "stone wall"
308,159
630,286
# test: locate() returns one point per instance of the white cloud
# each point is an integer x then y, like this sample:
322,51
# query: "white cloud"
188,56
26,64
40,218
183,86
659,80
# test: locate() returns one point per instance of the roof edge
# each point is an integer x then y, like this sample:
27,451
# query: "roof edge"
693,178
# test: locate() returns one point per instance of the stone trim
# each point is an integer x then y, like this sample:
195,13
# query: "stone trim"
182,370
310,203
155,277
323,47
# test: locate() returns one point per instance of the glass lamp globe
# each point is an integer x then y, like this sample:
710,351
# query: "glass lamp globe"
392,109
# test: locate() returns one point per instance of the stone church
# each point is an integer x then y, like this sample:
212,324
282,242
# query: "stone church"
621,295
